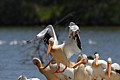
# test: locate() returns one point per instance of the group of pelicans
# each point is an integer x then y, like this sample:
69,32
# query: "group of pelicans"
61,68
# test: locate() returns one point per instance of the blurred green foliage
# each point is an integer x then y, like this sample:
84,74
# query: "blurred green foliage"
84,12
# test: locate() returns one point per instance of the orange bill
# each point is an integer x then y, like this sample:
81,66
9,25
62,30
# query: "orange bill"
96,60
109,70
78,63
48,51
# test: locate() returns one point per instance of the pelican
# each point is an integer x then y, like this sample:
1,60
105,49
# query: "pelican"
83,59
22,77
87,60
83,71
61,53
113,70
94,60
47,72
98,67
68,74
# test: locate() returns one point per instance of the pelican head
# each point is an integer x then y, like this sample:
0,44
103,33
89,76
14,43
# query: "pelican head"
83,58
51,43
37,62
74,34
73,29
96,58
109,62
22,77
79,58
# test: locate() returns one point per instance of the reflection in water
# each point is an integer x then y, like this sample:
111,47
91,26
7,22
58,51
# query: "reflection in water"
14,42
2,42
92,42
12,52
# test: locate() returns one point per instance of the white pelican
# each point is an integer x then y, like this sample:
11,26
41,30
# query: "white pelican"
62,53
68,74
83,71
113,70
83,59
98,67
22,77
47,72
94,58
87,60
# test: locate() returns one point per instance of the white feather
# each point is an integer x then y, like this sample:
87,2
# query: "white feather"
42,33
115,66
22,77
71,48
50,30
69,72
89,70
74,27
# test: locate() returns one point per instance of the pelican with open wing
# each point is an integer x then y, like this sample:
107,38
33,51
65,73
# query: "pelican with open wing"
62,52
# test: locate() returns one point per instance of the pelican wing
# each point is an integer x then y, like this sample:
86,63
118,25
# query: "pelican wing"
73,45
33,79
42,33
69,72
115,66
103,63
89,70
118,71
78,41
47,33
71,48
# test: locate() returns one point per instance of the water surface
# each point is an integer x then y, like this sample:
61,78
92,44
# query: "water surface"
100,39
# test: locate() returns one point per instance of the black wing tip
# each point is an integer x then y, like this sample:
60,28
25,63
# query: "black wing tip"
78,42
47,37
90,57
118,71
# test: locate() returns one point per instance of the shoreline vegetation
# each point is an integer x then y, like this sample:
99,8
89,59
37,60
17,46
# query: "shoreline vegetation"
59,12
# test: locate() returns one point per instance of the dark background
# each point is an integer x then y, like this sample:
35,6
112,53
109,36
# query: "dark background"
60,12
